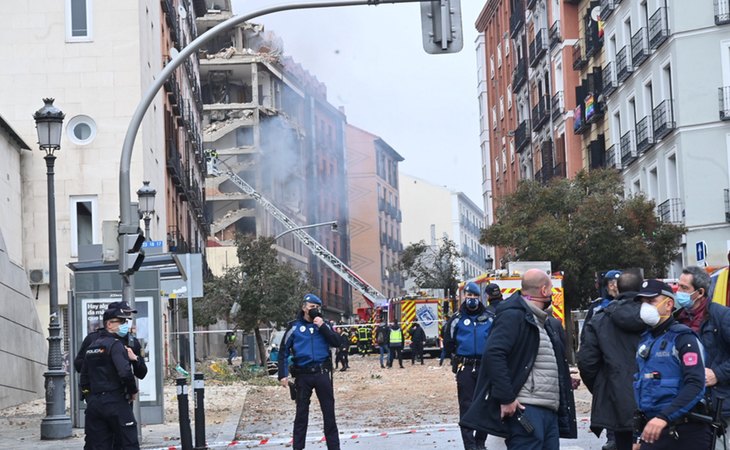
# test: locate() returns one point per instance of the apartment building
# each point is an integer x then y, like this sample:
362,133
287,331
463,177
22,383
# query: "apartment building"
431,212
270,122
669,64
374,190
96,58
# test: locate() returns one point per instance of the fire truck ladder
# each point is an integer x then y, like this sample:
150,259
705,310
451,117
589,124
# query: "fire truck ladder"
372,295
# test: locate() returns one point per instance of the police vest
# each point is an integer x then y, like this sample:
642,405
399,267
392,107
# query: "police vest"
102,373
470,332
396,336
308,346
659,378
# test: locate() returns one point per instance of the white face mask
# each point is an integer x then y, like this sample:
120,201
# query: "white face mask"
649,314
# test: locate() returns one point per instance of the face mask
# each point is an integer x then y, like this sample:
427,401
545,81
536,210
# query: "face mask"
315,313
684,299
123,330
472,303
649,314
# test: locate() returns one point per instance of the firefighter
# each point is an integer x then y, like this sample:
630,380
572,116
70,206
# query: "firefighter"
466,338
363,339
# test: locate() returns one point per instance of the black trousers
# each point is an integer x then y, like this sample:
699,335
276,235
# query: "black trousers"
110,423
692,435
466,381
395,352
322,385
341,357
416,353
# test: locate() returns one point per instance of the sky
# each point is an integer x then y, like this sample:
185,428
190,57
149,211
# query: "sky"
372,61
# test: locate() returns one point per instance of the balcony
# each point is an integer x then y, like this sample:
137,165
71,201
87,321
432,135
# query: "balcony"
557,104
519,76
555,36
610,83
607,7
628,150
671,211
722,12
663,119
723,95
624,67
522,135
559,170
644,135
540,113
611,161
579,120
516,21
579,60
538,47
726,193
639,47
658,28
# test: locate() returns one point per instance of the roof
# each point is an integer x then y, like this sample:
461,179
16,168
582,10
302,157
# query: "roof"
13,135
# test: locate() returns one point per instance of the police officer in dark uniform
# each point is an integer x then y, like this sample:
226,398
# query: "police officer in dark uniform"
466,339
670,383
308,340
139,367
109,387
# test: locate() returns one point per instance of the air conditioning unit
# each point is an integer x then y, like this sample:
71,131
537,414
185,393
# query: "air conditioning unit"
38,277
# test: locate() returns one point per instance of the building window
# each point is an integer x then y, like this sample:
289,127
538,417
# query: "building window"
501,108
499,55
84,218
496,168
494,117
78,21
81,130
509,96
504,159
491,66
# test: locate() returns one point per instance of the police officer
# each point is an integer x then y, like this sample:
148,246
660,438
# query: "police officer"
308,340
608,291
109,386
466,339
139,367
670,382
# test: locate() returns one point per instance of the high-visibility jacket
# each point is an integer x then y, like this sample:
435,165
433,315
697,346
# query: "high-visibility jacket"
396,337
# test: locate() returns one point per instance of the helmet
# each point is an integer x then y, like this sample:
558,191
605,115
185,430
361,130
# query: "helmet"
311,298
611,275
472,288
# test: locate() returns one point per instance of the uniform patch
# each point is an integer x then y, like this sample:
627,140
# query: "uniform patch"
467,322
690,359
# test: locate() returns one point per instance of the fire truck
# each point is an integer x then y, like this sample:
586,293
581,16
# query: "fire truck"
427,311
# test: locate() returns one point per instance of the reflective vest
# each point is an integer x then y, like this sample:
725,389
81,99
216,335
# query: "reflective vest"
362,333
659,378
396,336
470,332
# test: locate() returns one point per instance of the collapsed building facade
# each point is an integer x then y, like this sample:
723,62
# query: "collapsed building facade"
270,122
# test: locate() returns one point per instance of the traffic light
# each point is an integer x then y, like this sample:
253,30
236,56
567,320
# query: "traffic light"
131,254
441,26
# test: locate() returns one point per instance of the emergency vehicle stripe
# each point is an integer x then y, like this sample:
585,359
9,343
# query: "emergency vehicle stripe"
407,315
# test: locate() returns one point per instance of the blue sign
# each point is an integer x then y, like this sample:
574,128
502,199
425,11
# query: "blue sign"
701,249
152,244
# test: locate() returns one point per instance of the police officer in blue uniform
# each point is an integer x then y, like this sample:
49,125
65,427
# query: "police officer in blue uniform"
466,339
109,387
308,340
670,383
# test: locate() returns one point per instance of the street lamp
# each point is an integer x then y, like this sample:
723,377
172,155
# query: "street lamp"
332,223
146,196
56,424
489,262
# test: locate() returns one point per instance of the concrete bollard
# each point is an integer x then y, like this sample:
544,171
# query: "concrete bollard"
186,436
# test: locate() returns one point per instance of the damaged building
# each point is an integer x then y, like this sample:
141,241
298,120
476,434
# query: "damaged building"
270,122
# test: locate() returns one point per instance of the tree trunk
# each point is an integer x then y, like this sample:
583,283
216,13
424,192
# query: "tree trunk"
260,345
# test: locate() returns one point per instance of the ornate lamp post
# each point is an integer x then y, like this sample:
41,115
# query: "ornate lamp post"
56,424
489,262
146,196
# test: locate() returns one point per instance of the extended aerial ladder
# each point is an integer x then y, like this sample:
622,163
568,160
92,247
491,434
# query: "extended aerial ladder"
372,295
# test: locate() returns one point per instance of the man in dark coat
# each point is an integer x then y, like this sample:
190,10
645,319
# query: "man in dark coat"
522,331
607,361
418,338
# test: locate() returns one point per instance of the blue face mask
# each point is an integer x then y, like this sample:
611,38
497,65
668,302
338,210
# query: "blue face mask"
684,299
123,329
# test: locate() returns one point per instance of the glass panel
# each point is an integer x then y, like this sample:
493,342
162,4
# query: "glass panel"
78,18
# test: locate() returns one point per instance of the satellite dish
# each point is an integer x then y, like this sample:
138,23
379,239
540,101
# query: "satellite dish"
182,11
596,14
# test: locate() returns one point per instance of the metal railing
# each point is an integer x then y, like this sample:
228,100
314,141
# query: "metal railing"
658,28
519,76
624,68
628,150
516,20
726,193
671,211
723,95
611,160
559,170
540,113
644,134
607,7
610,83
522,135
538,47
557,104
555,36
579,60
663,118
639,47
722,12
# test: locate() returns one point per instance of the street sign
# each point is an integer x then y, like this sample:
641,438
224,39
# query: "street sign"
152,244
701,251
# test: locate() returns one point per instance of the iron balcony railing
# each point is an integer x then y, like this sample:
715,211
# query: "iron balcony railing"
722,12
516,20
559,170
519,76
522,135
538,47
540,113
663,116
624,68
671,211
726,193
644,135
579,59
611,160
658,28
639,47
610,84
557,104
723,95
555,36
628,150
606,8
